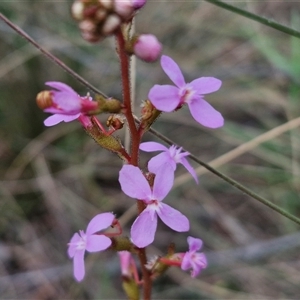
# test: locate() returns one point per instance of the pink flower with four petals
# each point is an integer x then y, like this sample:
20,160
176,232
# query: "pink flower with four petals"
192,259
135,185
67,105
89,241
172,156
168,97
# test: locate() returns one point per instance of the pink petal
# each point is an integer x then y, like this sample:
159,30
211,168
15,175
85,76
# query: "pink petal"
72,248
173,218
97,243
172,70
163,181
152,146
164,97
143,229
157,161
190,169
198,264
206,85
125,261
205,114
99,222
57,118
186,262
133,183
78,265
194,244
60,86
69,102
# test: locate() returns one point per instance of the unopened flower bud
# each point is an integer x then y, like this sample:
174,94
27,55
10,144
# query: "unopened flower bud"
89,31
112,22
137,4
147,47
78,10
124,8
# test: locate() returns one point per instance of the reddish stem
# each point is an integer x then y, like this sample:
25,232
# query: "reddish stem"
125,67
135,143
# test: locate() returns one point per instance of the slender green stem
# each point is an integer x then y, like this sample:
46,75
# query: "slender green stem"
257,18
232,181
50,56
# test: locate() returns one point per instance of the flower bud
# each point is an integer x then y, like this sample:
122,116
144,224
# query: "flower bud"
147,47
101,18
124,8
137,4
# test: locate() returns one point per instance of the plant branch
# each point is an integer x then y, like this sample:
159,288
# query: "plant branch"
232,181
125,75
50,56
257,18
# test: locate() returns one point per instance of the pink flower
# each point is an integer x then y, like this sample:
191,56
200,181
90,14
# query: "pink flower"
192,259
168,98
147,47
171,156
65,104
135,185
89,241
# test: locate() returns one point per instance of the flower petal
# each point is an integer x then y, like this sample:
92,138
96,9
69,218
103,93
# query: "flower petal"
186,262
173,218
164,97
100,222
95,243
172,70
152,146
57,118
78,265
60,86
194,244
157,161
72,248
206,85
190,169
205,114
143,229
133,183
163,181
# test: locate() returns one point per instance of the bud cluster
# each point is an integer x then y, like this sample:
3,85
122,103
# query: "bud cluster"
101,18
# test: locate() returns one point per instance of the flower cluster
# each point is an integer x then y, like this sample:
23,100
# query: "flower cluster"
98,19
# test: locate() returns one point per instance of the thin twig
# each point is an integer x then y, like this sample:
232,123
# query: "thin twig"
257,18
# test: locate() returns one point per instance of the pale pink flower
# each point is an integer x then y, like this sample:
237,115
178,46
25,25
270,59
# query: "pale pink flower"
135,185
66,105
171,156
168,97
147,47
193,259
89,241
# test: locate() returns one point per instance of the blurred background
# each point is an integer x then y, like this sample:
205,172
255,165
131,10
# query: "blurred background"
54,180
